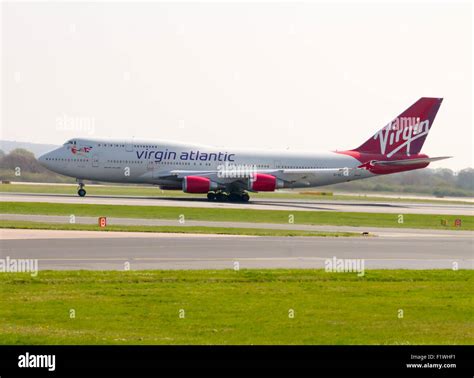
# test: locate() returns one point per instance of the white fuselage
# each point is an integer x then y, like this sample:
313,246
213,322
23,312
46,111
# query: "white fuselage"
148,162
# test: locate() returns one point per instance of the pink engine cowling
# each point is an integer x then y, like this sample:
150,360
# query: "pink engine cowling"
262,182
198,184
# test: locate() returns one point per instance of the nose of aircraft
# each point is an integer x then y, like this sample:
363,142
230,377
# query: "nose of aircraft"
44,159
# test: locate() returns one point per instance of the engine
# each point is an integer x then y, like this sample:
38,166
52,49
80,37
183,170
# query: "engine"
262,182
198,184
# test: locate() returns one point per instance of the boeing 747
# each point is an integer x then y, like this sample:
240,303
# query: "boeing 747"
229,174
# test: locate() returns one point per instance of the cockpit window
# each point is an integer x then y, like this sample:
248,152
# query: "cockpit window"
69,142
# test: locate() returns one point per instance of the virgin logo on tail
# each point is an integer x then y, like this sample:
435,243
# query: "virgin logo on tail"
406,134
406,129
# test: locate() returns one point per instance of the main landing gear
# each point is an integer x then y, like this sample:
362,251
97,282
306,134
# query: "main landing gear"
81,191
232,197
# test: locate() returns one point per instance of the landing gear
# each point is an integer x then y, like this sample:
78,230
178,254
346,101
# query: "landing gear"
211,196
221,197
81,191
232,197
239,197
217,196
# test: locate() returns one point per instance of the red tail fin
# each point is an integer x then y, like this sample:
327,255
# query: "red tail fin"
406,134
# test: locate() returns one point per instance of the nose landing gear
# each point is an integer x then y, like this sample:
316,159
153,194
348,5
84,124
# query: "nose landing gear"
81,191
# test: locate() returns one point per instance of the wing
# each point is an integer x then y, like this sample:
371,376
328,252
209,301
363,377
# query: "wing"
230,177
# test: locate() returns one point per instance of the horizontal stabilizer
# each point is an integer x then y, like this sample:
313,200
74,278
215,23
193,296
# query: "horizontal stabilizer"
408,161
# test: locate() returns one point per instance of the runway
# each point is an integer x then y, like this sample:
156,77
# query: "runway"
256,204
115,250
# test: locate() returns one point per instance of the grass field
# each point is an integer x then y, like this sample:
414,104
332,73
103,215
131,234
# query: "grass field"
237,215
237,307
149,191
171,229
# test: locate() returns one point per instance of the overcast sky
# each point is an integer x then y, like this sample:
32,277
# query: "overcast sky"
302,76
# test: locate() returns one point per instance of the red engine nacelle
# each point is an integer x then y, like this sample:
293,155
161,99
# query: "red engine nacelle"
262,182
198,184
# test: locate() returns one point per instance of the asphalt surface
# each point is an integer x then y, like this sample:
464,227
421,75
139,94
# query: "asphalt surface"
257,204
115,250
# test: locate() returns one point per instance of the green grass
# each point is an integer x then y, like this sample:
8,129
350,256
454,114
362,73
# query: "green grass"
170,229
237,307
149,191
238,215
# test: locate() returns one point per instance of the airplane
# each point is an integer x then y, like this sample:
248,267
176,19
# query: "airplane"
230,174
